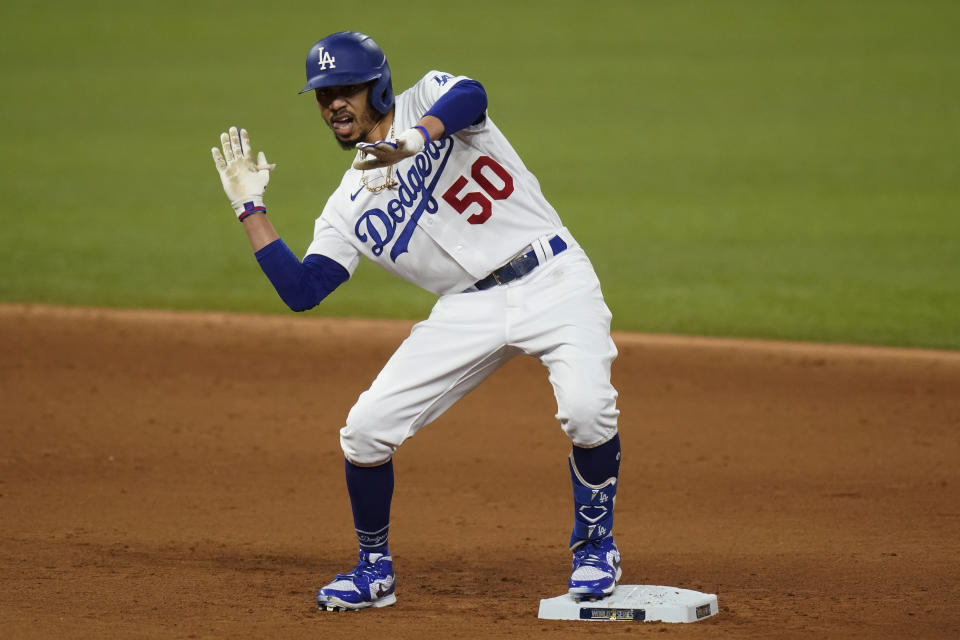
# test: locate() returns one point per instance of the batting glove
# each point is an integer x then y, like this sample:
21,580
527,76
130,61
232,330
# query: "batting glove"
243,181
381,154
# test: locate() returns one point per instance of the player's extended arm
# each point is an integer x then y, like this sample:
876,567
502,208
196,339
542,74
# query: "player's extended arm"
301,285
463,105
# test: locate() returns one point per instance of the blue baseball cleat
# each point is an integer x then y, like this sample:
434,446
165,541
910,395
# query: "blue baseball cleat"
596,569
370,584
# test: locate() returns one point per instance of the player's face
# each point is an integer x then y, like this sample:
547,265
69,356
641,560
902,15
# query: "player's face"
347,111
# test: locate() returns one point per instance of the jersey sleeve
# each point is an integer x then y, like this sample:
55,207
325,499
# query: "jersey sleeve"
330,242
434,85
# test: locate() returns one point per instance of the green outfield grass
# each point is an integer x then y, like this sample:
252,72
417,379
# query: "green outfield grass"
755,168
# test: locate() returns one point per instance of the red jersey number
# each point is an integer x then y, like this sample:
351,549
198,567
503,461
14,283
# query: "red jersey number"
482,170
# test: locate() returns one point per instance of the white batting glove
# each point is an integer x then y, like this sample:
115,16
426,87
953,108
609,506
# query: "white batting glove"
243,181
381,154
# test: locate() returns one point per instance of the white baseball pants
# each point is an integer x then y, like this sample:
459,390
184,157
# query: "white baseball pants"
556,313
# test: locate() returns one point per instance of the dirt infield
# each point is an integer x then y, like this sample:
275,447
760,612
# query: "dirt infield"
178,475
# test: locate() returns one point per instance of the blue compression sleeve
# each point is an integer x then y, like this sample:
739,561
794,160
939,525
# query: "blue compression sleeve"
463,105
300,285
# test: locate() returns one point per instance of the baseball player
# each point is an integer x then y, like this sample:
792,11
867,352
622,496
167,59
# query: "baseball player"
437,196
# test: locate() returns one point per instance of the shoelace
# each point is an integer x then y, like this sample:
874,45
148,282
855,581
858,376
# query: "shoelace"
363,569
591,555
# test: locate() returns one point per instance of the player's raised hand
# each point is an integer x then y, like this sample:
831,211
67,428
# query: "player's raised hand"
383,153
244,180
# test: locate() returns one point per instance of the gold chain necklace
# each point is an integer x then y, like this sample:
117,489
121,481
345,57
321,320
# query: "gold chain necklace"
388,182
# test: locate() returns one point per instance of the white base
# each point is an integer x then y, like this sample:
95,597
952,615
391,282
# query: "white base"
635,602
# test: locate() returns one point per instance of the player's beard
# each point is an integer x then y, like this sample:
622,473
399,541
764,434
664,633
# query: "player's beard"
363,124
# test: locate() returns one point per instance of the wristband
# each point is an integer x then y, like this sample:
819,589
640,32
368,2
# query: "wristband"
249,209
426,135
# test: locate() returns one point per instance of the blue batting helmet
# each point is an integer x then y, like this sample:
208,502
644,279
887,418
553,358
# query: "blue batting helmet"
349,57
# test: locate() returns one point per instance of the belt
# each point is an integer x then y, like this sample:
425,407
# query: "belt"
519,266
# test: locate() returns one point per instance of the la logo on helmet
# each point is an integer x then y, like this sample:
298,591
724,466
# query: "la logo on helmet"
326,59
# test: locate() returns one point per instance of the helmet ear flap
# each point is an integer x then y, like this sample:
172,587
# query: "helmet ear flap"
350,57
381,94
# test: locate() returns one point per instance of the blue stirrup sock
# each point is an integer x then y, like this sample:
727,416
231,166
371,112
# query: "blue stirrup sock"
594,474
371,490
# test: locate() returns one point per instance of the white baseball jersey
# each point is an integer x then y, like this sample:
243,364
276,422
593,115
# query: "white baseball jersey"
462,207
